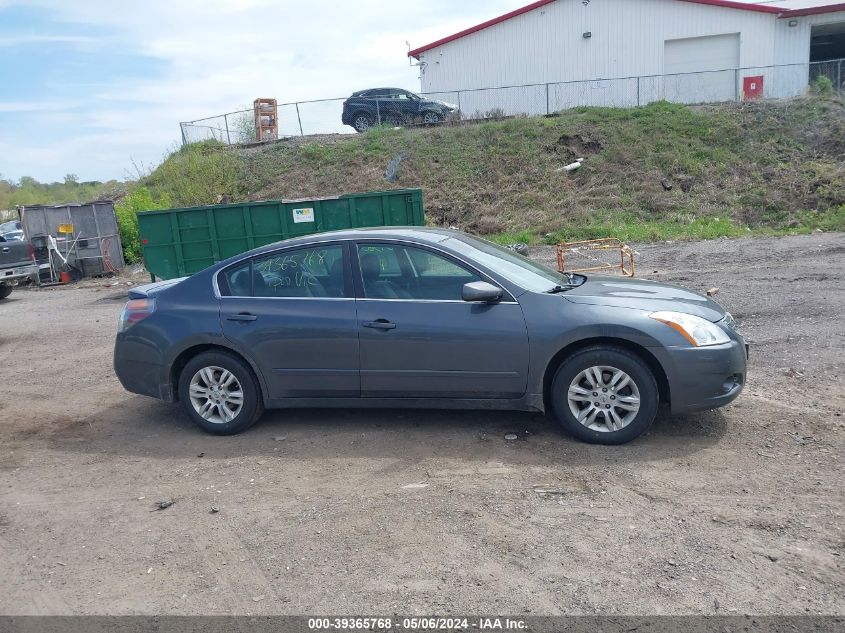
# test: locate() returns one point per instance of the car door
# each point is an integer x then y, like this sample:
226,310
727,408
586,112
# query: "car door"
379,103
293,312
392,107
408,104
419,339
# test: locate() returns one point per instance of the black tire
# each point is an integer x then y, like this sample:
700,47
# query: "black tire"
430,117
362,122
5,290
252,404
641,381
520,248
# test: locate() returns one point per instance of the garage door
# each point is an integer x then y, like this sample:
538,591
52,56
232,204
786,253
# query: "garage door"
712,58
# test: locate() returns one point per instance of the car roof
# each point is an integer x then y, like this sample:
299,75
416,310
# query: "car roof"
432,235
360,92
423,234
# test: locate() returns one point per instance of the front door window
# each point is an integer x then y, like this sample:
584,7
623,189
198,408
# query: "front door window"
397,271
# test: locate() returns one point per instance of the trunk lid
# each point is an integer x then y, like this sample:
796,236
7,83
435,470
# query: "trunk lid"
150,290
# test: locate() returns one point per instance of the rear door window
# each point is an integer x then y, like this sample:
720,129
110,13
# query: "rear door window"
318,271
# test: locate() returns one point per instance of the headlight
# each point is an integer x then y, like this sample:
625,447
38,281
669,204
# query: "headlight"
699,332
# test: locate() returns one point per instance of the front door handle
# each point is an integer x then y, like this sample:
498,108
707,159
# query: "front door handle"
241,317
381,324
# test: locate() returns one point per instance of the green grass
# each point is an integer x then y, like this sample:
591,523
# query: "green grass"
663,171
631,229
198,174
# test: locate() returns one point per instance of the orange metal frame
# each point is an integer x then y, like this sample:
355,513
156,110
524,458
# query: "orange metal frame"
585,248
265,107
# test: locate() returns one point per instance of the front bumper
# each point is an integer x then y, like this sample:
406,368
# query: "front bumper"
702,378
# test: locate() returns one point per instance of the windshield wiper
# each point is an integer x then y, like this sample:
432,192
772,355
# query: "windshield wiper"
573,283
558,289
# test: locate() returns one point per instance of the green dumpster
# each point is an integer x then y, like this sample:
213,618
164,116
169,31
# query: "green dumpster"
180,242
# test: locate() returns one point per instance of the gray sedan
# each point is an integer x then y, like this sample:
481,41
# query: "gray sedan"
429,318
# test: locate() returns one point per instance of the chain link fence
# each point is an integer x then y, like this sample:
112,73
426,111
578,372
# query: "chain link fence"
323,116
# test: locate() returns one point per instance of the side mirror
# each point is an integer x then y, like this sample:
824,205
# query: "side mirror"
481,291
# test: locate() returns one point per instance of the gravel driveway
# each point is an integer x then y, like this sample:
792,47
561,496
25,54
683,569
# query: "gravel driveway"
375,512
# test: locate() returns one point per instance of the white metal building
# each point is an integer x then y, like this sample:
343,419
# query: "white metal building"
554,54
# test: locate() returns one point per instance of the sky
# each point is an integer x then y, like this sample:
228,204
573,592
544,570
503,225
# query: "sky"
97,88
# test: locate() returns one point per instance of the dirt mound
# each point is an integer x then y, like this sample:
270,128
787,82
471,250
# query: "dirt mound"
657,172
570,147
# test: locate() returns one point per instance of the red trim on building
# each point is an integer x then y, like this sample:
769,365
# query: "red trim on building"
797,13
479,27
729,4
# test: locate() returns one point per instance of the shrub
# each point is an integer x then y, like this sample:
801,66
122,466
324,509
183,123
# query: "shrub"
822,86
197,174
138,200
242,127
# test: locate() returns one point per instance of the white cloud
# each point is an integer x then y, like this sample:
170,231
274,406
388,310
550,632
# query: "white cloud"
27,40
35,106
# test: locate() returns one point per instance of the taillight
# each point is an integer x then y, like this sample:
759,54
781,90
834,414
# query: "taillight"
135,311
31,251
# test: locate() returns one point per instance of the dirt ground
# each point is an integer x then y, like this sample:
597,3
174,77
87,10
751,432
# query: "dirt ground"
416,512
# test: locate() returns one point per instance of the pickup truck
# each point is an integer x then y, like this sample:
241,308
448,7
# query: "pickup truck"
17,263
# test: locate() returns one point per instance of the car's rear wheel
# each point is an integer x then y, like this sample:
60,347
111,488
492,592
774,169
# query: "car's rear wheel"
220,393
362,122
604,395
431,118
5,290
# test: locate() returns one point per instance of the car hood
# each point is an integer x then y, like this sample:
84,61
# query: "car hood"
641,294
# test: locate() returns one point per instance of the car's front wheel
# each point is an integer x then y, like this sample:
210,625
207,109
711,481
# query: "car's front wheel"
220,393
604,395
431,118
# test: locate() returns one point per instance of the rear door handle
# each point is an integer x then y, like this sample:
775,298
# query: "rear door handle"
241,317
381,324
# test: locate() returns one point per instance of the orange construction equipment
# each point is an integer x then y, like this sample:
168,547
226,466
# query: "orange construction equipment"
595,252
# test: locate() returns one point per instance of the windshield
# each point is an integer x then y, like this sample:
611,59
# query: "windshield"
513,267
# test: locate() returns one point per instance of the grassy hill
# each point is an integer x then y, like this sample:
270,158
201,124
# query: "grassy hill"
657,172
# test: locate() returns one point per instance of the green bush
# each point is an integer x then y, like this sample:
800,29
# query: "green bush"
822,86
137,201
197,174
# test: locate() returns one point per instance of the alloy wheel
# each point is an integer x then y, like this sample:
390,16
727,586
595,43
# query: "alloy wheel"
604,398
216,394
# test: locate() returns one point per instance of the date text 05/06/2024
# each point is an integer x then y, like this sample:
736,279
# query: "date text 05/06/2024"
416,624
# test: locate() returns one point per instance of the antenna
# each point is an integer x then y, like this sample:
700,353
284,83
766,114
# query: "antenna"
411,59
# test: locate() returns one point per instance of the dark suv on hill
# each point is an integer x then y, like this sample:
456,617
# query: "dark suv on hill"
367,108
